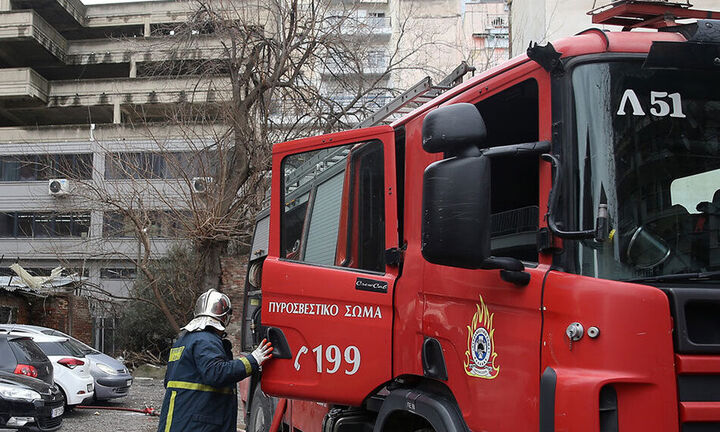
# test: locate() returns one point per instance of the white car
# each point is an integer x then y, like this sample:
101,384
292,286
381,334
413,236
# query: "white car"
112,378
71,368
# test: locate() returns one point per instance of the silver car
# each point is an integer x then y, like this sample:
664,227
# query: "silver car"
112,378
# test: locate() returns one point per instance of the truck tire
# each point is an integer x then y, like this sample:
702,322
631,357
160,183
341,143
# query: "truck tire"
261,412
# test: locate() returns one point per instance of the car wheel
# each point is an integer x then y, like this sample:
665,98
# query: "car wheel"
68,408
261,412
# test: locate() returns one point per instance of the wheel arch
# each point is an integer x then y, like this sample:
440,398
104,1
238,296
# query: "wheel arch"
430,400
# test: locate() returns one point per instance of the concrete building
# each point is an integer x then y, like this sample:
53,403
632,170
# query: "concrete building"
439,34
76,88
432,37
547,20
73,86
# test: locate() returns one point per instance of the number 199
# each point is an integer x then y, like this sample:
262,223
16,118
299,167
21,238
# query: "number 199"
334,359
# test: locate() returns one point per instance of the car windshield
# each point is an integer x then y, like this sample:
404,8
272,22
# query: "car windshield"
60,349
648,145
26,350
74,342
82,347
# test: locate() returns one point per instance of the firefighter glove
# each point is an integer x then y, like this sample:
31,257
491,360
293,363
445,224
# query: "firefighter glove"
263,351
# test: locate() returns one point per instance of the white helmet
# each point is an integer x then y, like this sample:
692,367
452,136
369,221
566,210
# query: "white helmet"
214,304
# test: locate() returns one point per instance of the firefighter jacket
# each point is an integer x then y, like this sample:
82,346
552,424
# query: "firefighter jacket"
200,383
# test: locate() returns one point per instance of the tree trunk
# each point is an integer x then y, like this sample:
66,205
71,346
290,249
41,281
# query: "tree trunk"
210,269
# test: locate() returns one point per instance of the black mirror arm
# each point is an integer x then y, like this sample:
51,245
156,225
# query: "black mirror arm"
511,269
552,205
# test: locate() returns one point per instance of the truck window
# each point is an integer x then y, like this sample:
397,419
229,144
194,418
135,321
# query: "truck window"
334,212
511,117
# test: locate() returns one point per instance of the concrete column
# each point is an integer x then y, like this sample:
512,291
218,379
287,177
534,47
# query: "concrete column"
147,27
5,5
117,117
96,224
133,68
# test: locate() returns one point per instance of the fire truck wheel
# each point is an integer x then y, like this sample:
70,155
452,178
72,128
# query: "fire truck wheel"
261,412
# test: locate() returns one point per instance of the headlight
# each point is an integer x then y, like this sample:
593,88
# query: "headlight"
107,369
12,392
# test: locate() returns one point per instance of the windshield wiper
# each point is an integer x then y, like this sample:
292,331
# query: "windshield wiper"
711,275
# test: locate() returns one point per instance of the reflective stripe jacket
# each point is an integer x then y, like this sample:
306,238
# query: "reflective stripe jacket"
200,384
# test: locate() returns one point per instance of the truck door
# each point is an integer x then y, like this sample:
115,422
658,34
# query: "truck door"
327,290
488,328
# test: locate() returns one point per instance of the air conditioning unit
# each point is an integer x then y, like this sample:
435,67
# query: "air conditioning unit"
200,185
59,187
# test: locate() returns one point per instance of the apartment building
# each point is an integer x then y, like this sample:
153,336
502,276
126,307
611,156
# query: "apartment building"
445,32
78,85
75,89
547,20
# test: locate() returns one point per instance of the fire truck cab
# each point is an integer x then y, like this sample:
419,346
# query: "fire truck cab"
537,248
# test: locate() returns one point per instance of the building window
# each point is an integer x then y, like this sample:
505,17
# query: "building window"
159,224
44,224
377,60
133,165
8,314
45,166
117,273
170,165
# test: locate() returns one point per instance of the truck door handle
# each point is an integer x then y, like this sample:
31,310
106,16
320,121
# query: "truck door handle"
281,348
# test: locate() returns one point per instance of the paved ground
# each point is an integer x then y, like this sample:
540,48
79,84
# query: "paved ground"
144,392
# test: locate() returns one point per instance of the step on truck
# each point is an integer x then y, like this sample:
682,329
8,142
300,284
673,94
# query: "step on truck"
537,248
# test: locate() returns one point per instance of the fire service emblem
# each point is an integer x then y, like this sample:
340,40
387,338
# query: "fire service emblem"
480,355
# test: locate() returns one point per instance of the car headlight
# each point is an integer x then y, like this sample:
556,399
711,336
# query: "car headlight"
107,369
13,392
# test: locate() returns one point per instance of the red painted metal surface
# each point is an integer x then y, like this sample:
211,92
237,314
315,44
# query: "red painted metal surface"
442,302
589,43
278,415
315,339
699,412
633,353
648,15
696,364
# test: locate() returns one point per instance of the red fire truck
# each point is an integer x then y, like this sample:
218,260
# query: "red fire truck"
536,248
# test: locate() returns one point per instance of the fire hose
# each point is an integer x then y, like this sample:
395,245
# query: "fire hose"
147,410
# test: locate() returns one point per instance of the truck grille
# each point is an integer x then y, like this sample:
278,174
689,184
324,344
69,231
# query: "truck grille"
696,314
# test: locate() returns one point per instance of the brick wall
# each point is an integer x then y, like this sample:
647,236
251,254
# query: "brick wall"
18,302
234,270
82,326
52,312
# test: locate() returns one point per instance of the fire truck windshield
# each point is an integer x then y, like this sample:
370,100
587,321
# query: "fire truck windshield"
647,143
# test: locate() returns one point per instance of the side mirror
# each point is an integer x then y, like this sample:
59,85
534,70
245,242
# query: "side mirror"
456,130
455,223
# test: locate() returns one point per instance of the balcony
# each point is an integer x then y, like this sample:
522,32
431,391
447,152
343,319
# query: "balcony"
373,65
361,26
23,84
80,248
28,39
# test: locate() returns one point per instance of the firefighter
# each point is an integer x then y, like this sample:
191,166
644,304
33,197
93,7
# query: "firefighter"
201,373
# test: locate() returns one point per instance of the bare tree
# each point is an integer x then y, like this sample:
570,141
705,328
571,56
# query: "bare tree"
255,73
284,68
